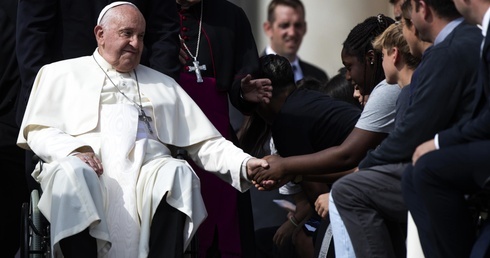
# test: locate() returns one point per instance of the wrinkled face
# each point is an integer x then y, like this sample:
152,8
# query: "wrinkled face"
187,3
120,37
389,68
355,74
286,31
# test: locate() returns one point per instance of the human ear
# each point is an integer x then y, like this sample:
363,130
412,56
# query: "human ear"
370,57
395,52
267,26
424,10
99,34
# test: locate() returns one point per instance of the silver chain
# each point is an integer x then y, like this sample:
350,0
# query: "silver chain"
140,105
198,36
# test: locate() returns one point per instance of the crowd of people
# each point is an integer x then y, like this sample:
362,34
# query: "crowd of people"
107,99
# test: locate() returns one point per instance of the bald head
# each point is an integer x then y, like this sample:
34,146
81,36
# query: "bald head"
120,36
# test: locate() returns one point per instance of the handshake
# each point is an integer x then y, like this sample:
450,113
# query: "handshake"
267,173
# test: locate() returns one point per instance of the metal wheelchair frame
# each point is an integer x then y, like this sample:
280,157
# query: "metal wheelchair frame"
35,242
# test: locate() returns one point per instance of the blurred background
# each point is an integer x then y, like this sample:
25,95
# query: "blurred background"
329,22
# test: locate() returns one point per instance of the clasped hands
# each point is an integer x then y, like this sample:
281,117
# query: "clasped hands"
269,175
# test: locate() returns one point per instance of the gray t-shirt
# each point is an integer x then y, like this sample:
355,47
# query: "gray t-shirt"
378,114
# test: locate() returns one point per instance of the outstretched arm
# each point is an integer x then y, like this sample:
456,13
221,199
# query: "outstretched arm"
335,159
228,162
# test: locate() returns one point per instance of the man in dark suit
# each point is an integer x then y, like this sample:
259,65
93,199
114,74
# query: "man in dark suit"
285,27
454,163
14,190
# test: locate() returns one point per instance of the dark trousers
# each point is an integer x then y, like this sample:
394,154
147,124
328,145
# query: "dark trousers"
14,189
266,248
372,208
434,191
166,236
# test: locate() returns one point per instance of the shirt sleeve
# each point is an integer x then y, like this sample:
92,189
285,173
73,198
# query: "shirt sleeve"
379,113
220,157
51,144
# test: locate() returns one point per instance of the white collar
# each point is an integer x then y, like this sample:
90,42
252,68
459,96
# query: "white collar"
102,62
270,51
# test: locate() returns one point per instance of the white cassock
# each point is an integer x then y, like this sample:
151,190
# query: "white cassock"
72,104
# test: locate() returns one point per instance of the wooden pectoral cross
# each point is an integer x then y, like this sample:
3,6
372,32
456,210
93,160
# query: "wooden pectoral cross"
146,119
197,69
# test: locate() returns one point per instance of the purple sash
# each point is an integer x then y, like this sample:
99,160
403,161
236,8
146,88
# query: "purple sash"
212,102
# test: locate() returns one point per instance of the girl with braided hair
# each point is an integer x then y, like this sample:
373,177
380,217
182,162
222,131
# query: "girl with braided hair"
362,61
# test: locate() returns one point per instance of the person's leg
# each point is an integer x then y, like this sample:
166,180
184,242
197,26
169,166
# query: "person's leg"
341,239
264,243
418,212
73,202
80,245
441,179
371,206
14,189
167,232
171,207
303,243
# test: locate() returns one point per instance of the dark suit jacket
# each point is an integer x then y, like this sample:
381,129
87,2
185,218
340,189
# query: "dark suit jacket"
312,71
53,30
442,96
478,128
9,73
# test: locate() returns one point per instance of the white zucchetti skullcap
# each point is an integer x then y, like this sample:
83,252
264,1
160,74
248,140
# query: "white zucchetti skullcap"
111,5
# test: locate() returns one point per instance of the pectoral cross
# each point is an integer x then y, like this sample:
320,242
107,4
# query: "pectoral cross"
197,69
146,119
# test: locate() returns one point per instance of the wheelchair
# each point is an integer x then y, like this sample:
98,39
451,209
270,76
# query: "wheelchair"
35,228
35,242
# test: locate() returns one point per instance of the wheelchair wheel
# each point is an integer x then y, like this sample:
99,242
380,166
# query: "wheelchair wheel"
35,242
24,243
36,221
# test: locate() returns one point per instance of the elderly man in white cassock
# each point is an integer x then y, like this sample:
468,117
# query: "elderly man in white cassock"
106,128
